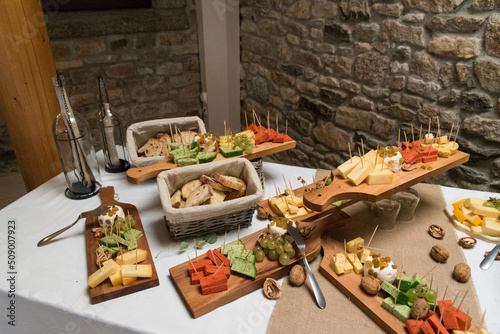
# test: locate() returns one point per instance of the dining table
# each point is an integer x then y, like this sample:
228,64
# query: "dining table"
44,289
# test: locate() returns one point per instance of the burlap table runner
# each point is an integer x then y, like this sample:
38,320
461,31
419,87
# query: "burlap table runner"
296,310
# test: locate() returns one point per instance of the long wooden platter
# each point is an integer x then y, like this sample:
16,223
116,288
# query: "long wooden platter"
140,174
105,291
239,286
341,189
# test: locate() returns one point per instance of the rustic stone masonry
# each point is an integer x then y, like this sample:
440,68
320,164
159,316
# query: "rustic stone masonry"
148,57
344,71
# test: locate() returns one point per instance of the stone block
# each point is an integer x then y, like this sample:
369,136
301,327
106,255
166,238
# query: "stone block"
282,79
447,117
89,46
335,33
307,59
101,59
414,17
456,24
425,66
64,65
475,102
354,10
119,44
423,88
398,111
266,27
292,69
393,9
169,68
398,32
357,119
365,32
434,6
461,47
333,96
492,35
257,88
376,92
450,96
370,67
317,107
350,86
362,103
60,49
120,70
172,38
412,101
398,82
329,81
300,10
333,137
324,9
488,74
308,88
343,67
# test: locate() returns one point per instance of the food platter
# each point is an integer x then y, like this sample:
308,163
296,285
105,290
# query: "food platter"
465,229
341,189
140,174
239,286
105,291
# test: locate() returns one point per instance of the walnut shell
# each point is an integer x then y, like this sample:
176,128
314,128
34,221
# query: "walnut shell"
467,242
297,275
419,308
271,288
461,272
439,253
370,285
436,231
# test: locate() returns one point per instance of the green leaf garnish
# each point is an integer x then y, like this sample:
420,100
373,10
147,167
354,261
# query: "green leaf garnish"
211,238
200,244
184,245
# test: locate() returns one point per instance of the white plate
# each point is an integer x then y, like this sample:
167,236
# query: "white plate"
463,228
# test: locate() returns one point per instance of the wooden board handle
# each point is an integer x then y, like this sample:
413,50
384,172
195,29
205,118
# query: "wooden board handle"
140,174
107,195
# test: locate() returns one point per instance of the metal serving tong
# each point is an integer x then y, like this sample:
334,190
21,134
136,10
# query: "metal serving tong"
95,212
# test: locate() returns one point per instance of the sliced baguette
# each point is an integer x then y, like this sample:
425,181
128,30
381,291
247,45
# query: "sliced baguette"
231,182
176,199
189,187
199,196
214,184
152,148
234,194
217,196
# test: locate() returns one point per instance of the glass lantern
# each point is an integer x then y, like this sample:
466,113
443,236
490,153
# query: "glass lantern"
112,139
75,147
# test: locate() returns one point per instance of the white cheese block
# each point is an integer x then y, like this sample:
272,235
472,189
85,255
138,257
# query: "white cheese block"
360,172
137,270
378,176
107,269
373,157
348,166
356,264
131,258
486,211
470,200
491,226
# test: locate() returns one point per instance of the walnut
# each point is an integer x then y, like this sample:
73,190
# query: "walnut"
370,285
439,253
467,242
262,213
420,308
271,288
497,257
305,231
297,275
97,232
462,272
103,256
436,231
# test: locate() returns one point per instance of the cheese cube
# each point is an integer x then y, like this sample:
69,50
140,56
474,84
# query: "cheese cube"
373,157
444,152
130,257
295,200
137,270
360,172
458,204
459,214
470,200
128,280
348,166
337,266
378,176
442,140
340,265
292,209
107,269
471,217
491,227
278,205
116,278
354,244
300,213
476,229
356,264
363,254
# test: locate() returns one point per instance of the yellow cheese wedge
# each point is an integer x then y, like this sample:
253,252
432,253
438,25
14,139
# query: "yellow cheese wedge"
295,200
444,152
249,134
470,200
476,229
453,147
292,209
491,227
300,213
354,244
137,270
348,166
466,223
363,254
278,206
360,172
373,157
341,264
471,217
355,263
486,211
128,280
458,204
459,215
378,176
116,278
442,140
130,257
337,266
107,269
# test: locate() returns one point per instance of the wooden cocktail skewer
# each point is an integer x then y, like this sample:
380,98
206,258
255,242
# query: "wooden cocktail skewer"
456,298
222,263
350,154
432,279
371,238
291,189
362,147
171,134
435,302
399,137
246,120
195,251
276,189
268,119
412,136
445,291
382,164
253,116
368,247
238,231
376,157
224,244
482,321
463,298
196,271
359,152
345,247
451,131
286,128
466,320
440,320
407,144
456,134
401,276
437,264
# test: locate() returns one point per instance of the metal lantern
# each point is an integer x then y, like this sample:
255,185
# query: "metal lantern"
75,147
110,128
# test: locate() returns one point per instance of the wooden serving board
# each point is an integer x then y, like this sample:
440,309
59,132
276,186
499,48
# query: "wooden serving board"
105,291
341,189
141,174
239,286
349,285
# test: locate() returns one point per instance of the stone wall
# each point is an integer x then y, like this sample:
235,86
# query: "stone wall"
148,57
344,71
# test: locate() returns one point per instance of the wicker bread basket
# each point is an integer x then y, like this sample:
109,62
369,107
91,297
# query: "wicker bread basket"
139,133
196,221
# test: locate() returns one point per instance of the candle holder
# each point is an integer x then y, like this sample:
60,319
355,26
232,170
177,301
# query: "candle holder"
113,142
75,147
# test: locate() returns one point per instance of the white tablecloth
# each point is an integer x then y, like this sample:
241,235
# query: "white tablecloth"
51,281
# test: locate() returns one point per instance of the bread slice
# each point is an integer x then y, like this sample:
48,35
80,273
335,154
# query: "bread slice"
165,144
214,184
234,194
176,199
231,182
199,196
152,148
189,187
217,197
185,137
